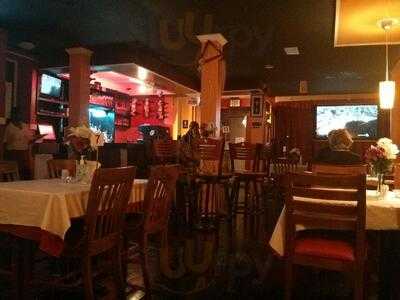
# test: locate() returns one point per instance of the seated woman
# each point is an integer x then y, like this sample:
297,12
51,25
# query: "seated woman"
338,152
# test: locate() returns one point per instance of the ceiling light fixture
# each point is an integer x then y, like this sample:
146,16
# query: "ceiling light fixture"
387,88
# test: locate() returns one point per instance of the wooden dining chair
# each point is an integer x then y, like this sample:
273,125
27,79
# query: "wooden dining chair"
339,169
10,245
316,201
55,166
101,233
9,171
159,194
165,151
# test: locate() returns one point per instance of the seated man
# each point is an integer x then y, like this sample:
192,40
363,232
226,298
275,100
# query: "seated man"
338,152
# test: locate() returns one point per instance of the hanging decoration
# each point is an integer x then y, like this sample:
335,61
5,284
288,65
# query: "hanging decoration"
146,107
160,108
133,106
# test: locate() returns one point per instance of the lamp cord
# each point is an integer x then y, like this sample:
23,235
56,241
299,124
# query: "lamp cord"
387,54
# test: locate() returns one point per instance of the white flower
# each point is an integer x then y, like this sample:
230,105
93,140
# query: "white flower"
384,141
391,150
96,138
80,131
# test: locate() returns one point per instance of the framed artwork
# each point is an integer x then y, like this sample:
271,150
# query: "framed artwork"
256,105
185,124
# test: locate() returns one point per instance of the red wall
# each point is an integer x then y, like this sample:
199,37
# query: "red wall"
131,134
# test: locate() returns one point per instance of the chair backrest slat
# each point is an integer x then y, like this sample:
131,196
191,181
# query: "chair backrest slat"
160,191
325,221
108,200
55,166
339,169
324,193
310,207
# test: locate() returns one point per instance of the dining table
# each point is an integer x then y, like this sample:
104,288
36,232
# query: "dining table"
42,210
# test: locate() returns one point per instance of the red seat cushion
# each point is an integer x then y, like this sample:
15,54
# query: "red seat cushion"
325,248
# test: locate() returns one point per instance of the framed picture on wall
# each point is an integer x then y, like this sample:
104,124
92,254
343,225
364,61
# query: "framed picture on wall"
256,105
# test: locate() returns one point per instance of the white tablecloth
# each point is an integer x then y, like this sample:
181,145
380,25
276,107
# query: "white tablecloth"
383,213
49,204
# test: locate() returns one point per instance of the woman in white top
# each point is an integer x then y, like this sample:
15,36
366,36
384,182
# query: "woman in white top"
17,138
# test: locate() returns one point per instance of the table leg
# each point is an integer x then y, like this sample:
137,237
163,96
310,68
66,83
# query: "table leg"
388,264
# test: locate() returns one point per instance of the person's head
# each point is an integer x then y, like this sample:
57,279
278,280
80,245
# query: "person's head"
340,139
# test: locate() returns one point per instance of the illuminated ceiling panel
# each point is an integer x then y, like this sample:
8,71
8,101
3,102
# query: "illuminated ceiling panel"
356,22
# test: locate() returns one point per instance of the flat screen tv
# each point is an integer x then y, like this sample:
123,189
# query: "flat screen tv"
102,119
360,120
50,86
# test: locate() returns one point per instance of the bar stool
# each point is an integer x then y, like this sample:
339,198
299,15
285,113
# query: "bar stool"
250,181
208,183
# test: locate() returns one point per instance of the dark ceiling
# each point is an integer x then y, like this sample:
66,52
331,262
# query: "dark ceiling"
165,30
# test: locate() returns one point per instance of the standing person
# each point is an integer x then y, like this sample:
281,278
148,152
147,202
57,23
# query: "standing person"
17,138
188,153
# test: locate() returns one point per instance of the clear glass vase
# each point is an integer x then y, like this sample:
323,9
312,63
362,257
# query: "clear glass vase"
379,185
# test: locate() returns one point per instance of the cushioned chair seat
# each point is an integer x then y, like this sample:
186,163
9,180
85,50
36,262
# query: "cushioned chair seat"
325,248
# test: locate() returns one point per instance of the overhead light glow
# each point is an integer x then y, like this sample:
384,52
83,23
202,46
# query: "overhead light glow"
135,80
142,88
142,73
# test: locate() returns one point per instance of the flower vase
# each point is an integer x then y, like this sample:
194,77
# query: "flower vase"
81,171
380,183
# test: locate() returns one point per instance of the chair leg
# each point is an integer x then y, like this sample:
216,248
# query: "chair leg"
359,283
87,277
144,261
17,280
288,279
118,273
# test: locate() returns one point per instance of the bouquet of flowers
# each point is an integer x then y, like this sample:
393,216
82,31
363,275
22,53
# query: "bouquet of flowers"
381,156
82,139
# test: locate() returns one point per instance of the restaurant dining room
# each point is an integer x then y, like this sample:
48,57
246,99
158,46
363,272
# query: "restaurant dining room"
200,149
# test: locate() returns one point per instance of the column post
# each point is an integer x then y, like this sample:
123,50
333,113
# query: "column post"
79,85
212,66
